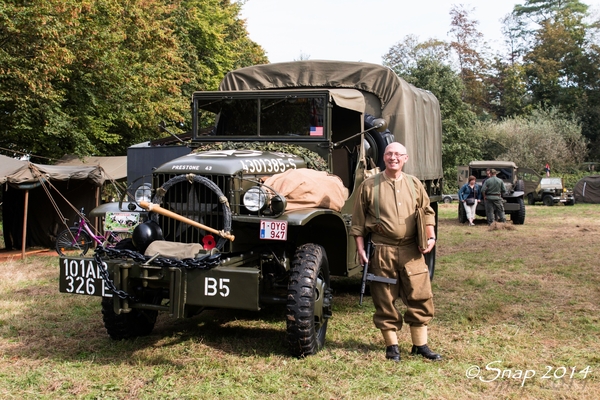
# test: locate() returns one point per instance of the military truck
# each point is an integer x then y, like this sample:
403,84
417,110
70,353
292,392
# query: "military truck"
264,122
514,205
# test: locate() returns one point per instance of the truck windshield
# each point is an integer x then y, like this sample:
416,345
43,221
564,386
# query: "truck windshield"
283,116
503,173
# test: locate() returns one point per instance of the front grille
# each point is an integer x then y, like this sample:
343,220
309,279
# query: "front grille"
194,200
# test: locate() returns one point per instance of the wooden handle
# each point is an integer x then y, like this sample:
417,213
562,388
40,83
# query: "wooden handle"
159,210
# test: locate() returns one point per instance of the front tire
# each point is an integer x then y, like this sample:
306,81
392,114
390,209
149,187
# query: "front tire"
518,217
462,213
127,325
530,199
70,243
548,200
309,300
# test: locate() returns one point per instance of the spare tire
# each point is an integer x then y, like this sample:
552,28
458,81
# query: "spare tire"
376,142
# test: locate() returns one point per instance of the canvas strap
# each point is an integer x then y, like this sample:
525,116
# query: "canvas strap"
376,199
411,183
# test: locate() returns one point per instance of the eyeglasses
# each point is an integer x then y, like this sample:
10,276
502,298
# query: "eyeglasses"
397,155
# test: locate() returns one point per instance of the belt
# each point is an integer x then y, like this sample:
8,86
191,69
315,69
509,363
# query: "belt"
386,241
493,194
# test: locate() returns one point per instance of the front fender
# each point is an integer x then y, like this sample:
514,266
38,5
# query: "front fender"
514,195
316,225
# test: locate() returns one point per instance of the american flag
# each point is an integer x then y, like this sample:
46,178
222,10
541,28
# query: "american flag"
316,131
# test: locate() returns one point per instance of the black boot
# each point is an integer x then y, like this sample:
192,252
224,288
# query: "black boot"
425,352
392,353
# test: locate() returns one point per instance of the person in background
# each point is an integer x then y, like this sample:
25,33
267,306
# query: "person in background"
470,195
487,176
397,255
547,169
492,191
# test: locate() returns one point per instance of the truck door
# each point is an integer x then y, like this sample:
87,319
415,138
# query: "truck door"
463,175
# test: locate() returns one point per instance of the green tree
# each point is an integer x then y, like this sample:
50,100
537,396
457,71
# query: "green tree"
84,77
458,146
539,11
93,77
403,56
213,41
554,65
561,62
507,88
467,43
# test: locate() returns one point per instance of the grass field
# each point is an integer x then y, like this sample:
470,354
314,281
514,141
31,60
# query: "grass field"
517,317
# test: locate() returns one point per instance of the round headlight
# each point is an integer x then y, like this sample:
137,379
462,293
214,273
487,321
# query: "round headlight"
255,199
143,193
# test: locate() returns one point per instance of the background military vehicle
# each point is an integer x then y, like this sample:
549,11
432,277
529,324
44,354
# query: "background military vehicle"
551,191
264,121
514,205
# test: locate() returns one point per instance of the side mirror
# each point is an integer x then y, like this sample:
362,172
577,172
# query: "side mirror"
380,124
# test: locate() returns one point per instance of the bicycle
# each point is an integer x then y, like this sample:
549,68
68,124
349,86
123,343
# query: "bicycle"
77,240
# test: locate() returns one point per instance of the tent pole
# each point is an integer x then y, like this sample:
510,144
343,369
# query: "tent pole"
23,243
97,220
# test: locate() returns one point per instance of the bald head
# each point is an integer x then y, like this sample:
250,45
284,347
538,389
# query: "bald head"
394,158
395,147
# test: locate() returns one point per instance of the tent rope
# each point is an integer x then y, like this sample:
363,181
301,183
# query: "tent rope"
40,177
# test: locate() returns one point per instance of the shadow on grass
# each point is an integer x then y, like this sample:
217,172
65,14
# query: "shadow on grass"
63,327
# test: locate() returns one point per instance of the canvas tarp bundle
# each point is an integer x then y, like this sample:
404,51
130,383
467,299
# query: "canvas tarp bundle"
412,114
307,188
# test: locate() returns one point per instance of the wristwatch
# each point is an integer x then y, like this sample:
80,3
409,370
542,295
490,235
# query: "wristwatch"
432,238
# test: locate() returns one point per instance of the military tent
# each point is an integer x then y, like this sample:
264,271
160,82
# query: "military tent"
36,199
114,167
587,190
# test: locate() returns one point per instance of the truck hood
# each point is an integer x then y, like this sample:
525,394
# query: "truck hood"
231,162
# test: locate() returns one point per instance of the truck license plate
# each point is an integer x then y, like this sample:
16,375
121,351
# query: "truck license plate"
82,276
273,230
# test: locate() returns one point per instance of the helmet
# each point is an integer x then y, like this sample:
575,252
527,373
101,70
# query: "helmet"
146,233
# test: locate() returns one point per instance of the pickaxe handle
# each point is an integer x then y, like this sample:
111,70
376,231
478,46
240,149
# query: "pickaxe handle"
159,210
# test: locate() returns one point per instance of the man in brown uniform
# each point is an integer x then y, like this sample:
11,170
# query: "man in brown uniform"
397,254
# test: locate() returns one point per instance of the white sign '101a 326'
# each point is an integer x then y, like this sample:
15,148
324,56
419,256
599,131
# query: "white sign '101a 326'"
82,276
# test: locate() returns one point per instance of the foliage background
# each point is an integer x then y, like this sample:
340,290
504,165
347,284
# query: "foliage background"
92,77
534,102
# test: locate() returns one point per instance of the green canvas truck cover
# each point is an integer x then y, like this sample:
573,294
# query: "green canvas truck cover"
412,114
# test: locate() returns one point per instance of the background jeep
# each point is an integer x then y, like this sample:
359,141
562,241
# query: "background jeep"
514,205
551,191
257,251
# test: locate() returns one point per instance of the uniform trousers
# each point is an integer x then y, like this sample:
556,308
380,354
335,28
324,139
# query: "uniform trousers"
494,207
405,263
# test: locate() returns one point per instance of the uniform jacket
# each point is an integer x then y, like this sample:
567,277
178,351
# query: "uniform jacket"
396,205
493,188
